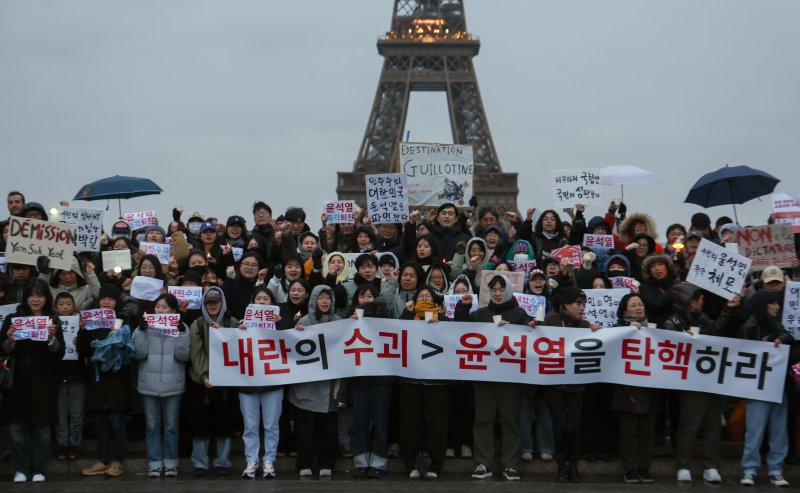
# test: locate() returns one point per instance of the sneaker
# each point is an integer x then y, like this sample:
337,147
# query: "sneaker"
325,473
96,470
774,480
546,457
20,477
39,478
645,477
431,475
684,476
482,472
250,470
305,473
511,474
712,476
154,472
268,470
414,474
450,453
114,469
631,476
526,456
466,452
748,480
171,472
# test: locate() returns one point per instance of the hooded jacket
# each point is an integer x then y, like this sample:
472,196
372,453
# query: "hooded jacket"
84,291
508,308
460,263
446,289
657,294
322,396
199,336
626,233
682,319
162,361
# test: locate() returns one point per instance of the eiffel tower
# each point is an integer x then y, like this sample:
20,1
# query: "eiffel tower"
429,49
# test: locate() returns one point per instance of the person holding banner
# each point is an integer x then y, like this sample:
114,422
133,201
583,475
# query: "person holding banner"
212,408
699,410
762,416
424,404
316,403
496,398
31,406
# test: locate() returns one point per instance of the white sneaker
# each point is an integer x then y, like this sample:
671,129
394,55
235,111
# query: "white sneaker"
39,478
414,474
546,457
684,476
466,452
268,470
433,475
250,470
712,476
747,480
527,456
775,480
450,453
20,477
325,473
305,473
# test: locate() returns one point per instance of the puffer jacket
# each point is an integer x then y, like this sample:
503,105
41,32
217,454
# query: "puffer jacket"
322,396
162,361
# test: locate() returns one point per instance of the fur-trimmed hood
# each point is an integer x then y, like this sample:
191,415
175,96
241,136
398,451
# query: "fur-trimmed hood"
626,233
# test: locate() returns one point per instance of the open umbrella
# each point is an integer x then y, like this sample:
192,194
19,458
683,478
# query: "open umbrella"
626,175
731,185
117,187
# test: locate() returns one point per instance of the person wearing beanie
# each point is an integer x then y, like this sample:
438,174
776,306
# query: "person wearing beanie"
120,229
702,224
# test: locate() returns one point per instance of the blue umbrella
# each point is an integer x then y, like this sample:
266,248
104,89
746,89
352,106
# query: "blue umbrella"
731,185
117,187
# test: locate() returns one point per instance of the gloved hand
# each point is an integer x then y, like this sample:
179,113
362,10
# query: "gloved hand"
473,202
43,264
622,209
316,257
176,214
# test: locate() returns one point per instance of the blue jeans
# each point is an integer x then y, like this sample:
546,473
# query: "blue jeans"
162,448
200,453
261,407
371,403
116,436
760,415
69,431
544,426
30,447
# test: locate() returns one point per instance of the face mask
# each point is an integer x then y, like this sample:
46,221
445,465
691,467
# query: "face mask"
194,227
520,256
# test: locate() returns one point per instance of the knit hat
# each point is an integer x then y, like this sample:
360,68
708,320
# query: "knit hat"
108,290
571,294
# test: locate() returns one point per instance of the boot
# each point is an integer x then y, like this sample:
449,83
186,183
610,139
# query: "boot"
574,475
563,471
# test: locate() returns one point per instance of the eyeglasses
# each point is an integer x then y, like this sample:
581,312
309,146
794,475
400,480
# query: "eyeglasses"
261,214
250,265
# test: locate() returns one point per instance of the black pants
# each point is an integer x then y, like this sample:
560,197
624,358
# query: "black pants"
636,437
565,408
423,423
317,439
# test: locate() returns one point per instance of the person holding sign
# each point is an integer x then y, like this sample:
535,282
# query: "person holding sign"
496,398
84,288
71,391
162,379
32,405
546,236
699,410
213,409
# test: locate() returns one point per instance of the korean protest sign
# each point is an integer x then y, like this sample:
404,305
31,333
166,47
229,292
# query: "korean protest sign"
340,211
138,220
717,269
88,227
387,198
575,186
602,304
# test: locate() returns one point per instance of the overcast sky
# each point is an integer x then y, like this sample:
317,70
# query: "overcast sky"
226,102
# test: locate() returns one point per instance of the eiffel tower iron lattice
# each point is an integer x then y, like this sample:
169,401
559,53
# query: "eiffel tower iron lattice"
429,49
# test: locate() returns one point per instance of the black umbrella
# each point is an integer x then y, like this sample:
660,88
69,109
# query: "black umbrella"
731,185
117,187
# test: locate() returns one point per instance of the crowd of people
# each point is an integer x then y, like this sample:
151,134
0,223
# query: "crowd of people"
131,369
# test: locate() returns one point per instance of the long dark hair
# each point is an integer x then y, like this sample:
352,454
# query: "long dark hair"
36,286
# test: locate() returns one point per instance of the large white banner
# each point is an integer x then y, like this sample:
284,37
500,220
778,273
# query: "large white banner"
437,174
719,270
486,352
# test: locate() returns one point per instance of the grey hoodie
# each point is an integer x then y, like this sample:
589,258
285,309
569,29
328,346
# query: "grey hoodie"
321,396
198,336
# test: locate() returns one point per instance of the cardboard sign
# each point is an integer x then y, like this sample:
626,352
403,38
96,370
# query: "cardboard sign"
261,316
146,288
117,258
602,305
533,305
767,245
191,294
571,252
340,212
791,308
719,270
88,227
575,186
451,300
786,210
100,318
33,328
160,250
515,281
28,239
437,174
6,310
69,327
387,198
166,323
138,220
